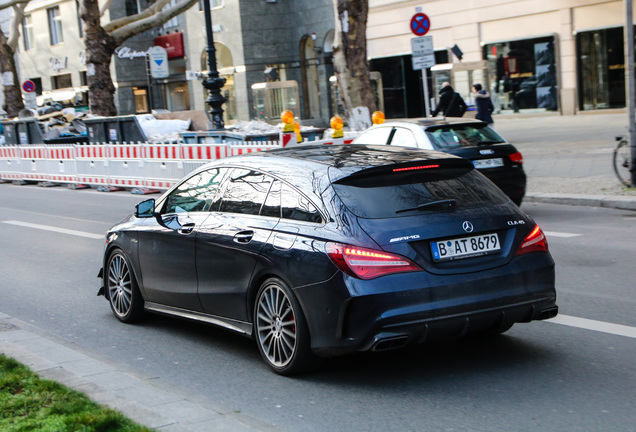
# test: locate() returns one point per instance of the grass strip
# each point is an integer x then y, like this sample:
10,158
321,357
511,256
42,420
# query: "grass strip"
31,404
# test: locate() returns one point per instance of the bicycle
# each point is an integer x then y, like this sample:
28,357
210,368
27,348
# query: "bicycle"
622,158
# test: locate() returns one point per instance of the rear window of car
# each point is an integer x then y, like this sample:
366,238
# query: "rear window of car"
405,193
454,136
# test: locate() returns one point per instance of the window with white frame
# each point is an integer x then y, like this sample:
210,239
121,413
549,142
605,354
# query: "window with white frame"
55,25
27,32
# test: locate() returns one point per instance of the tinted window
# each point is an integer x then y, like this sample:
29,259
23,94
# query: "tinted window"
245,192
375,136
196,193
272,203
382,195
454,136
297,207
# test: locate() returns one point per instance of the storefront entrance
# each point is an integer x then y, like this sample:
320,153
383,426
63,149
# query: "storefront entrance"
601,69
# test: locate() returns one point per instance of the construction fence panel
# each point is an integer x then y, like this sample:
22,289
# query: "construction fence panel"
126,165
34,161
60,165
163,165
10,163
91,162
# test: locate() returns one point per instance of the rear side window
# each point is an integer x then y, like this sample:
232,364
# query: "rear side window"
455,136
245,192
297,207
391,194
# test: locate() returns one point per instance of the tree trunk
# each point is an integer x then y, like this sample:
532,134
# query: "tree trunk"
350,62
100,47
13,102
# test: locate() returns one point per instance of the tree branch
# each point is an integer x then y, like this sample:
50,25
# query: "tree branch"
14,32
11,3
105,6
149,12
159,18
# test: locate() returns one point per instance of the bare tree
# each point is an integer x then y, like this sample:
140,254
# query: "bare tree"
102,40
350,61
13,102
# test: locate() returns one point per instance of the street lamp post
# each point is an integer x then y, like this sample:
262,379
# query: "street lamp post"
213,83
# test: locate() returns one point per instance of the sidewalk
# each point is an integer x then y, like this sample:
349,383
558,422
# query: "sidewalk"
568,161
145,399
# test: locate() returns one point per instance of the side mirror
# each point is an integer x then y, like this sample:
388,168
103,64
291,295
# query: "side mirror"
145,209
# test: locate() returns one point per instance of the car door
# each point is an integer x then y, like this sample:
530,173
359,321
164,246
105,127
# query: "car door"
229,243
167,243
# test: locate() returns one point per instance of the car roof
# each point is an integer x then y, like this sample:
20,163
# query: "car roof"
339,160
433,121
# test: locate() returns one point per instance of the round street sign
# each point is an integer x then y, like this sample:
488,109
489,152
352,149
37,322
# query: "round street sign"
28,86
420,24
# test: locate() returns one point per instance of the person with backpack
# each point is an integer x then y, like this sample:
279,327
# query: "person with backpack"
450,103
484,105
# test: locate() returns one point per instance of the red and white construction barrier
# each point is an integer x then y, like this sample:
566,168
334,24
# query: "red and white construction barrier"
124,165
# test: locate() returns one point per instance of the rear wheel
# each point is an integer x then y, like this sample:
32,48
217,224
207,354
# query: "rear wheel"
622,157
122,290
281,331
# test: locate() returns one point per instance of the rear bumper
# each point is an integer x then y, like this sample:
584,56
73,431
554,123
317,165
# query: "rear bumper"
411,308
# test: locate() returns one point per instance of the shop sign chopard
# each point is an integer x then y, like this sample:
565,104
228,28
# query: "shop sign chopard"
129,53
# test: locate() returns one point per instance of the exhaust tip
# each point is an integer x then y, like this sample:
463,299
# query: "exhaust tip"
390,343
549,313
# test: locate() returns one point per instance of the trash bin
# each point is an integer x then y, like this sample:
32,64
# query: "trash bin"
114,130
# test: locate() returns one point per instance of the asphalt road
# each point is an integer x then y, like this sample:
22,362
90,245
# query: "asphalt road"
574,373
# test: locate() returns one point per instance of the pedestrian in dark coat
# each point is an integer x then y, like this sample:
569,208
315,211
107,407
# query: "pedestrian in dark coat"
484,105
450,103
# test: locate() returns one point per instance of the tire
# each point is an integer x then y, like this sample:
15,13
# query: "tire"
280,330
622,157
122,290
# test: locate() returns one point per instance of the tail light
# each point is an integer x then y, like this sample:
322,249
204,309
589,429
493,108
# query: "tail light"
516,158
534,242
366,263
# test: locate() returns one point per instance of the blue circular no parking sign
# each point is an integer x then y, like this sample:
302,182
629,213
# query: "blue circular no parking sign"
420,24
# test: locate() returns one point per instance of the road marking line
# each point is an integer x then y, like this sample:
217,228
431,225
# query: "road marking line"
561,234
55,229
600,326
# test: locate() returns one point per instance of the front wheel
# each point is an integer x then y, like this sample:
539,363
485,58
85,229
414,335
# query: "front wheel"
122,290
622,157
281,331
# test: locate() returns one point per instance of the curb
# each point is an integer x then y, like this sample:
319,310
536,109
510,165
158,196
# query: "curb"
144,399
606,201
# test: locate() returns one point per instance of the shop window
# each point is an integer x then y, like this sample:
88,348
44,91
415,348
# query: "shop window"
61,81
525,75
55,25
27,32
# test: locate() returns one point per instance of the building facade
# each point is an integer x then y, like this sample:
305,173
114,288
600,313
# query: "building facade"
564,56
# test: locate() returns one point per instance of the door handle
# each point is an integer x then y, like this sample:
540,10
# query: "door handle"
244,236
186,228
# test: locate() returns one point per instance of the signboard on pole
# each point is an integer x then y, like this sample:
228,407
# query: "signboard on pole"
158,62
28,86
423,54
423,57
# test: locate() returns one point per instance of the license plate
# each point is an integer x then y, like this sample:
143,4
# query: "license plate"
465,247
488,163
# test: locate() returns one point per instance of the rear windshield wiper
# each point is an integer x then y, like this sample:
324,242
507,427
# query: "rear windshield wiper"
441,203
